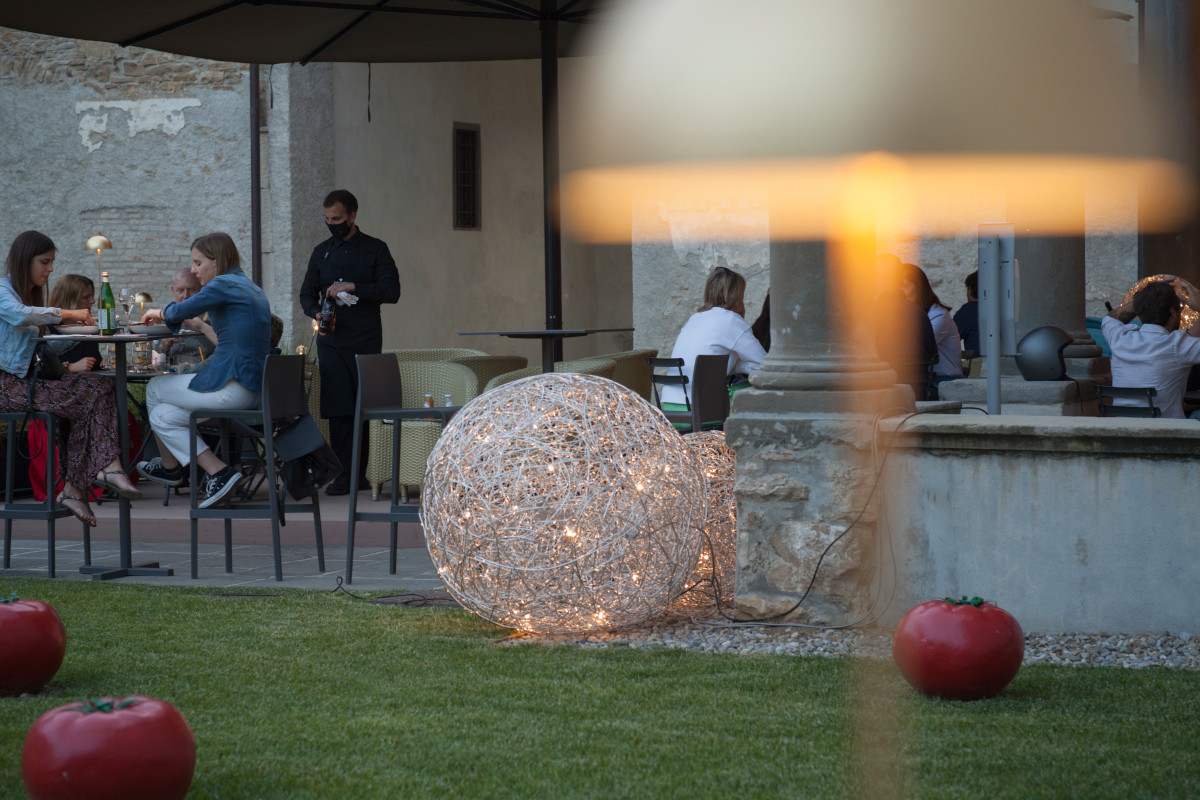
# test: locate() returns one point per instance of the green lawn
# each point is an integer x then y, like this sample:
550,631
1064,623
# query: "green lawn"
312,695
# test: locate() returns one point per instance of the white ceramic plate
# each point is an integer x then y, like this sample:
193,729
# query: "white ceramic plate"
149,330
78,330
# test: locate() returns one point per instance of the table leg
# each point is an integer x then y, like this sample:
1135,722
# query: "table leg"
127,567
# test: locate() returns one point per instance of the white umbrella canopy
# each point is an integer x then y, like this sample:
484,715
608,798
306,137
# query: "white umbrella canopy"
280,31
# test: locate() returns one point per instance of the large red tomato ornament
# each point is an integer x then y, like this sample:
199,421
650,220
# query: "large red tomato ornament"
132,748
32,645
959,649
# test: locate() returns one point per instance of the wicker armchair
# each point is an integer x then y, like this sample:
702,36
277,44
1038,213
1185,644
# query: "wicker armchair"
633,371
604,367
314,402
434,353
418,437
488,367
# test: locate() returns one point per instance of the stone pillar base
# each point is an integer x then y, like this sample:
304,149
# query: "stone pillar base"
804,475
1071,398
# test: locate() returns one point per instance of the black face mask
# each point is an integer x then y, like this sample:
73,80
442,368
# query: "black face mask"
340,230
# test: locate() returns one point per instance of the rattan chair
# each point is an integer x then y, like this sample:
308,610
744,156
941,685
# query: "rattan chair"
632,370
488,367
434,353
418,378
604,367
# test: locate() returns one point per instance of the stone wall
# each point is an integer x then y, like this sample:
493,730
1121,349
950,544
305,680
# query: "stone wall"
149,148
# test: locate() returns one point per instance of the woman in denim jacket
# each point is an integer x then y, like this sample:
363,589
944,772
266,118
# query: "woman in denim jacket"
241,316
87,404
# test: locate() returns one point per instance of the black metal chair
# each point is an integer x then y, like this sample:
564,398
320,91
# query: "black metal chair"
48,510
708,401
380,397
1144,394
283,401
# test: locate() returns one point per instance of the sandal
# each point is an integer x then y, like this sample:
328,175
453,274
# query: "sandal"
79,507
129,491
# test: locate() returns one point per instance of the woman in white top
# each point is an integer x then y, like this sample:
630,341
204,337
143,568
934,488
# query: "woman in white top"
718,327
945,332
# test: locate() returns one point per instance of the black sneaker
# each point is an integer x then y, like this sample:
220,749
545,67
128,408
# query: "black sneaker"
153,470
217,487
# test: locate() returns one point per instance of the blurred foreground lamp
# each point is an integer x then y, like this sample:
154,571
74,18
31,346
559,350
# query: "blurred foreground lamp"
905,107
98,242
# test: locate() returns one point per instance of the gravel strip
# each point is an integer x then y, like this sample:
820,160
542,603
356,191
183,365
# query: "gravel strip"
1070,649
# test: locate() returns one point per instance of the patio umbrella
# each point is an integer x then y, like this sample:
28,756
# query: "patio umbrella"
281,31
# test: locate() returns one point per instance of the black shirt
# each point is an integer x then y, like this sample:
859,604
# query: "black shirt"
366,262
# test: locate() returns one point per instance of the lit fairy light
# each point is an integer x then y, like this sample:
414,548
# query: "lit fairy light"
1184,290
720,548
567,532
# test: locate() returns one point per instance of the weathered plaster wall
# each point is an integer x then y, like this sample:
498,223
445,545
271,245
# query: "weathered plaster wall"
398,164
149,148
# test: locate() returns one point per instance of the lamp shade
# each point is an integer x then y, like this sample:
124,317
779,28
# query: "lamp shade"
98,242
780,99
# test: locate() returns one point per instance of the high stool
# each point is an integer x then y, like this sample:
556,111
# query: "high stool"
47,510
380,397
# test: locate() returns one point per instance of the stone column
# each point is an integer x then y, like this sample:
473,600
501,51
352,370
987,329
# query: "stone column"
803,441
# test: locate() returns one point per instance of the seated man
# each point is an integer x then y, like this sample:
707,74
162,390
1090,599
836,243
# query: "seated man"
1157,354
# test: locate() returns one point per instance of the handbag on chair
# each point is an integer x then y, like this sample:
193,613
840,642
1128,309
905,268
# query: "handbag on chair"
308,461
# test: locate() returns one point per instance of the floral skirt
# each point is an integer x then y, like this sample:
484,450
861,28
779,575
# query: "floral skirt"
87,404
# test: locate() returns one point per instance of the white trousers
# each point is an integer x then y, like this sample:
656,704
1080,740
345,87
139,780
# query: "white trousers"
169,403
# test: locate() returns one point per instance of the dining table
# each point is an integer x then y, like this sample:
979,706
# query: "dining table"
120,374
548,336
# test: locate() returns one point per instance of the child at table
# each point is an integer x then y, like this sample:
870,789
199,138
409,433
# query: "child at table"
75,291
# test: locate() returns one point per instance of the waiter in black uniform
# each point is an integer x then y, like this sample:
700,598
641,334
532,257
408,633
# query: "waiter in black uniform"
361,266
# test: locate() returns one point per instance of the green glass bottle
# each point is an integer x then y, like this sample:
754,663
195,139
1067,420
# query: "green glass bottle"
108,307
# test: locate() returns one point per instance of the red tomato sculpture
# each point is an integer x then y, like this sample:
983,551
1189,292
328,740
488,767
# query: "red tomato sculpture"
32,645
132,748
959,649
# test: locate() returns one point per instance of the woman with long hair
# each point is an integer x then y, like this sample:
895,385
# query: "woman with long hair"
718,327
232,378
88,405
945,332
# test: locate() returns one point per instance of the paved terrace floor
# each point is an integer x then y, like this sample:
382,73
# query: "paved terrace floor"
162,534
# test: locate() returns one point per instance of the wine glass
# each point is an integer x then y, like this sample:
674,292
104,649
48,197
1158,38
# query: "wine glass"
126,300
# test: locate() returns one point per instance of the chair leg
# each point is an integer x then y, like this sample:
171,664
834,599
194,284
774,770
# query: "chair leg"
273,500
353,516
7,543
195,548
228,544
392,550
87,545
316,509
50,545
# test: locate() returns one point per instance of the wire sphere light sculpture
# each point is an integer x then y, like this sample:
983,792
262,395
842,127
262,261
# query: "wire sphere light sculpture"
1183,290
712,582
563,503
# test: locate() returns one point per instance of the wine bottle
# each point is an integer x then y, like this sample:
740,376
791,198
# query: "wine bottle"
108,307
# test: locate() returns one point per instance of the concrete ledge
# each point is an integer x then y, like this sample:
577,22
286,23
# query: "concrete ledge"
1072,524
1092,435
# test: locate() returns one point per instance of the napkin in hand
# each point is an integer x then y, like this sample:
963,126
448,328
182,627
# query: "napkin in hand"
346,299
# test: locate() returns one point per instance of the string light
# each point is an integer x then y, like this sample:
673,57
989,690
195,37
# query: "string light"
577,548
1183,289
719,554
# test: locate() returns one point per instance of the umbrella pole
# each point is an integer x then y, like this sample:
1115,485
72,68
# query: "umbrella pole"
553,239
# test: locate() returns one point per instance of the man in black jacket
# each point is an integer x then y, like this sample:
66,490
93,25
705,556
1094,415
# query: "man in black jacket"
353,265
